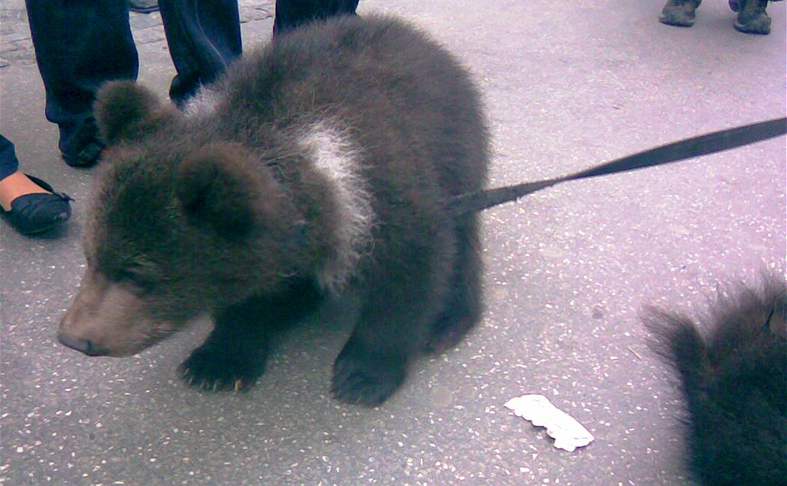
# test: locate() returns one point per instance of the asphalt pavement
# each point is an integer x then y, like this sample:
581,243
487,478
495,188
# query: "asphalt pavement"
566,85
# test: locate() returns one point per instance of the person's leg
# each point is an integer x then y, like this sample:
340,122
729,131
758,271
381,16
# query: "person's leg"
203,37
79,45
29,204
292,13
8,161
13,184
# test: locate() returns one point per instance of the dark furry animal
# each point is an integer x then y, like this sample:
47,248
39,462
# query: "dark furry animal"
733,371
319,164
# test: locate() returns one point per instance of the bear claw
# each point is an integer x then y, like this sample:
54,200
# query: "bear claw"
213,371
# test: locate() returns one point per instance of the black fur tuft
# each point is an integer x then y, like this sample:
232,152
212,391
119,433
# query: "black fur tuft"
733,371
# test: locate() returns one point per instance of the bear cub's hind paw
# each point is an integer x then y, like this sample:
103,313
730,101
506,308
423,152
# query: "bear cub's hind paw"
364,380
214,369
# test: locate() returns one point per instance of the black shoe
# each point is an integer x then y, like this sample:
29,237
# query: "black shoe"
33,214
752,18
83,148
143,6
680,13
86,157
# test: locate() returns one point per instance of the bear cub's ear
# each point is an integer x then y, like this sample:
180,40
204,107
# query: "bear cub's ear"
122,109
223,187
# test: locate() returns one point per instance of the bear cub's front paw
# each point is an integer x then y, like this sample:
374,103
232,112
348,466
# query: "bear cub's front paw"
210,368
366,380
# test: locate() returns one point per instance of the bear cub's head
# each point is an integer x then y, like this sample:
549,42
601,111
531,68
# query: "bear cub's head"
182,221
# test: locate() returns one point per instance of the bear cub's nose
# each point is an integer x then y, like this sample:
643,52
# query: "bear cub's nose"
82,345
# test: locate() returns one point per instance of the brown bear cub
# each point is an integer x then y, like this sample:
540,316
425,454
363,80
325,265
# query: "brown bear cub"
733,372
320,164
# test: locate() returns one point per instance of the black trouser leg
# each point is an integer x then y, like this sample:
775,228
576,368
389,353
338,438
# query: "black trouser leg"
203,37
292,13
79,45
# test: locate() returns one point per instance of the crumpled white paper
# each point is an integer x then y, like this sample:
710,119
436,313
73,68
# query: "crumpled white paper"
567,432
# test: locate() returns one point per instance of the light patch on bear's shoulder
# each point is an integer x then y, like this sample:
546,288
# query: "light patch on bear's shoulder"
336,158
203,103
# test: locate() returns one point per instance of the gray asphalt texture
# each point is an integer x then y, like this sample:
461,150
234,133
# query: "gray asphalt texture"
567,85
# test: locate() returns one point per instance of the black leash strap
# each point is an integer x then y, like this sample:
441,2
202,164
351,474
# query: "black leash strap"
673,152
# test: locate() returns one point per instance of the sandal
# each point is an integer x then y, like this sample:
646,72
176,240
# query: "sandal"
33,214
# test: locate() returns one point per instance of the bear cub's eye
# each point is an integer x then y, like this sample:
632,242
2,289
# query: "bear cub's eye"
140,282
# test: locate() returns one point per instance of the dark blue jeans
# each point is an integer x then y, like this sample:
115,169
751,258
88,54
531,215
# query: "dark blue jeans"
8,162
80,44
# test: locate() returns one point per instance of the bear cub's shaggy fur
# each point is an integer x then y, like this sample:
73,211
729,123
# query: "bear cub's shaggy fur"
733,371
319,164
